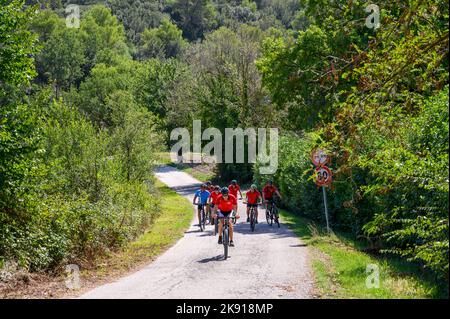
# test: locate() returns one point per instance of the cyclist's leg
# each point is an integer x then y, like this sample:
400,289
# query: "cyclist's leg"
212,212
269,205
231,229
220,224
256,213
248,213
208,211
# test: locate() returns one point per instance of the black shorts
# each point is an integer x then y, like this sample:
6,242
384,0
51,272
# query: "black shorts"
224,214
252,205
212,205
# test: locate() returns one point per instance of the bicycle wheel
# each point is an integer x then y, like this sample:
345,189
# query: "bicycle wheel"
208,218
226,242
216,225
252,219
203,220
268,217
277,217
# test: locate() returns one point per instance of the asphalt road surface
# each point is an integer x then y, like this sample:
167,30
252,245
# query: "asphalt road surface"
266,264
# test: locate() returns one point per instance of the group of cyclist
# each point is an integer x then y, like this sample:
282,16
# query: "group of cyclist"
221,202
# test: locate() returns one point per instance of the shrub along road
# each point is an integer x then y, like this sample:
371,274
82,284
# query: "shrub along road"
269,263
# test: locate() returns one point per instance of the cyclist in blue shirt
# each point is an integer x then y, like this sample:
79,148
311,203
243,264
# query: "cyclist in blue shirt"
203,195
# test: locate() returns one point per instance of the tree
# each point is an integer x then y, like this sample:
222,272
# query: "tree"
166,41
63,58
133,137
18,130
103,80
137,16
229,89
103,36
194,17
44,23
17,43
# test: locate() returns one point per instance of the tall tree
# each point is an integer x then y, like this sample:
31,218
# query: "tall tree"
165,41
194,17
18,131
63,58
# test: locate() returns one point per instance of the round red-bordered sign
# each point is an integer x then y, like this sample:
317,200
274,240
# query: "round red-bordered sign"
324,177
319,158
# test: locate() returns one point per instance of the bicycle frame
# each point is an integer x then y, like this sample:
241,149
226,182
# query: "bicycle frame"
202,215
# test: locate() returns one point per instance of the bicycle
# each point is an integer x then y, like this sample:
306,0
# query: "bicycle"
272,214
225,236
253,217
216,225
233,218
203,217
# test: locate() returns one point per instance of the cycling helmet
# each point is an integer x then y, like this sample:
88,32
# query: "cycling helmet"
270,182
234,182
208,183
203,186
254,186
217,188
224,191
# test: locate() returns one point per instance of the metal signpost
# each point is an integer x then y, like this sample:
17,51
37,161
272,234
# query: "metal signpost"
324,177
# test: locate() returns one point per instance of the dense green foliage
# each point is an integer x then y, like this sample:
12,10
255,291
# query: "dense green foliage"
76,177
78,142
378,102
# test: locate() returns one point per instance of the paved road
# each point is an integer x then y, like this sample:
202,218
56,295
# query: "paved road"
270,263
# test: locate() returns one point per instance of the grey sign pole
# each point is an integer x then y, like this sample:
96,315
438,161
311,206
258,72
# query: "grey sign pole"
326,207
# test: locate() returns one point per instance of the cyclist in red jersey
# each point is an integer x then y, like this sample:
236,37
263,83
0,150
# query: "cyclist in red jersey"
210,189
226,203
213,201
268,191
234,189
253,199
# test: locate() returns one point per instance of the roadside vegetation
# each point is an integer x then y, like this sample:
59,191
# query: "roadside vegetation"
166,230
86,112
342,266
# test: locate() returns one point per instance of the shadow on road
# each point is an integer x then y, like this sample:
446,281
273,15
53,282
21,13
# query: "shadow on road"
264,228
186,190
192,231
207,260
299,245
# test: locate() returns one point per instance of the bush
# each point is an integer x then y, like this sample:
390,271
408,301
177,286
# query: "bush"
409,187
294,179
393,188
84,201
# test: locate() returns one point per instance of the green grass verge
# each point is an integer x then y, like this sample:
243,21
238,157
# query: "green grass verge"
201,176
340,268
176,216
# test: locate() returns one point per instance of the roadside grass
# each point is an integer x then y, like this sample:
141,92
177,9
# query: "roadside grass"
176,216
341,269
195,172
163,158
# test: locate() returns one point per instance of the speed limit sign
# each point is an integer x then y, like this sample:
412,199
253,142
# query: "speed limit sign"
319,157
324,176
